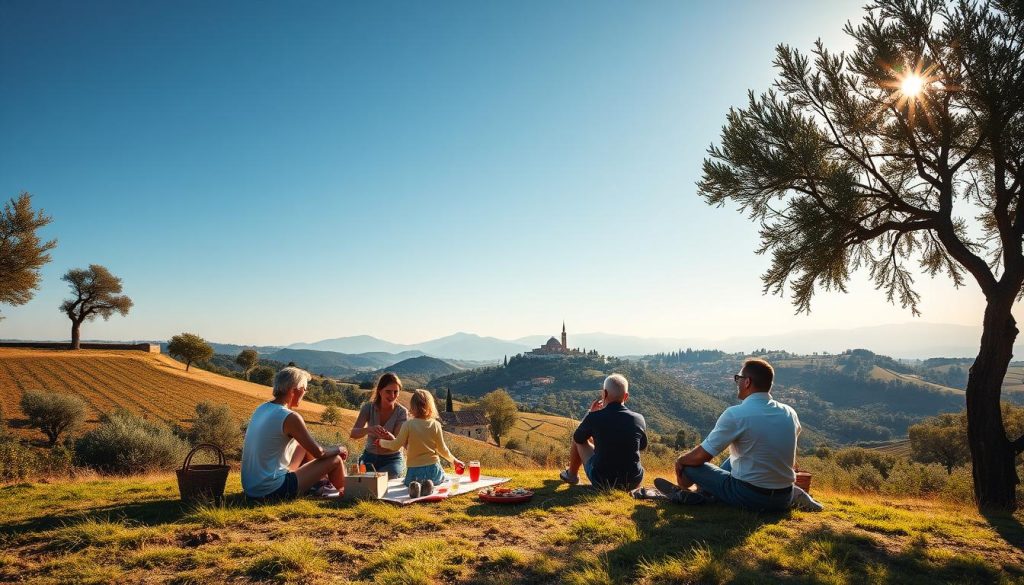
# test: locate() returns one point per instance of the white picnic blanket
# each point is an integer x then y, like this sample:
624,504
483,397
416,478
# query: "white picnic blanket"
399,493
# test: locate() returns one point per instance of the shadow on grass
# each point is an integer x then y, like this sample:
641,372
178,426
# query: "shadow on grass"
1008,526
714,544
146,513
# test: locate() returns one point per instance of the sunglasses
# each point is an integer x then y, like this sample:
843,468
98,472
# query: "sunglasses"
737,377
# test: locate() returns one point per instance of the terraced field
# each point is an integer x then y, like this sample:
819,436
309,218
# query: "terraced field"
899,449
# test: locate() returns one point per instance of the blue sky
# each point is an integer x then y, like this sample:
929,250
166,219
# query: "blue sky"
266,172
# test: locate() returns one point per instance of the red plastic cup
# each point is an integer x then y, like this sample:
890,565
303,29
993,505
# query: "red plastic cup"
474,471
460,468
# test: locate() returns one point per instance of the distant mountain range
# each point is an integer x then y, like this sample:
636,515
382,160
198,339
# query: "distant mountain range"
459,346
907,340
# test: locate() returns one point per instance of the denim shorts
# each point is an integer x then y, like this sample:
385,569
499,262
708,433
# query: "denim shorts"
596,479
288,490
433,472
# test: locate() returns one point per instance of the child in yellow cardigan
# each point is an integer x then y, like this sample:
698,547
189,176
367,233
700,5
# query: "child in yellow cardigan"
423,440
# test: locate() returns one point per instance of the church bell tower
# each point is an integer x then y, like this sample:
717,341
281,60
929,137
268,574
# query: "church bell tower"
565,345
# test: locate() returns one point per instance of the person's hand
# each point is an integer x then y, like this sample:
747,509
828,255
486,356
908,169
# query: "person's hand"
387,435
379,431
596,405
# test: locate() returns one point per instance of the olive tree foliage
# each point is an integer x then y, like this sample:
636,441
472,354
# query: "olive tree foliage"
96,293
247,359
216,425
331,415
941,439
189,348
502,413
22,253
52,413
262,375
126,443
845,165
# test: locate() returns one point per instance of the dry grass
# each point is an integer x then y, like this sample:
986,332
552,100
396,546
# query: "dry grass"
134,530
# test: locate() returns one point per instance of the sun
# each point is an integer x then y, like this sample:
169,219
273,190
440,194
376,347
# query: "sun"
912,85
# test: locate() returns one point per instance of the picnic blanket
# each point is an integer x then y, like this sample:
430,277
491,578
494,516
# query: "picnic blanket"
399,493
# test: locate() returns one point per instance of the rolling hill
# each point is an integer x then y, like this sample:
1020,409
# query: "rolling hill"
158,387
332,363
415,372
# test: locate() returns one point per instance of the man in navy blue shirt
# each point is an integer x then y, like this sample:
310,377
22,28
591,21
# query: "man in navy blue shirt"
608,442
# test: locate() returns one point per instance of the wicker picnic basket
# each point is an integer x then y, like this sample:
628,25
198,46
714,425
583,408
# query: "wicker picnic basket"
199,482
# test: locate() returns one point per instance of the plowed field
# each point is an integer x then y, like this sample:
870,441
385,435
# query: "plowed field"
159,388
153,385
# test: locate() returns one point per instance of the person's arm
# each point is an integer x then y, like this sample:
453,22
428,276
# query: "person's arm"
583,433
440,446
694,457
360,428
295,428
643,440
397,442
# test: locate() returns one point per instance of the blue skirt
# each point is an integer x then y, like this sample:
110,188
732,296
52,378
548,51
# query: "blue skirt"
433,472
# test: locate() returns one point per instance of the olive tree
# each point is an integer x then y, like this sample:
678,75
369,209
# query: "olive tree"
52,413
22,253
189,348
247,359
502,413
96,294
909,148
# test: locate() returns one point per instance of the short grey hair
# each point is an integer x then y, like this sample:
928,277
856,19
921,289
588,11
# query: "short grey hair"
617,386
289,378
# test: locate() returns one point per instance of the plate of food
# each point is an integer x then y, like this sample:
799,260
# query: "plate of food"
505,495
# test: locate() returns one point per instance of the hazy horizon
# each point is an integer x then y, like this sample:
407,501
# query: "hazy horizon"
263,173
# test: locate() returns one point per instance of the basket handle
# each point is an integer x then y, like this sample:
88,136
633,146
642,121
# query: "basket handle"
211,446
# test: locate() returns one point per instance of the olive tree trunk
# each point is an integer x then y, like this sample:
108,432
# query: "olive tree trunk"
993,455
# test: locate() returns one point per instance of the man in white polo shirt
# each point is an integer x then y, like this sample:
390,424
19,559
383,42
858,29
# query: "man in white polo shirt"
761,435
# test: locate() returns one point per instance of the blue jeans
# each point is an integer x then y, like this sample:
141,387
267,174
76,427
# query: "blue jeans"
393,464
719,483
433,472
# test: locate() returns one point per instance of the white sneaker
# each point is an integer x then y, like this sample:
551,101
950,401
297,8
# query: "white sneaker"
567,478
328,491
803,501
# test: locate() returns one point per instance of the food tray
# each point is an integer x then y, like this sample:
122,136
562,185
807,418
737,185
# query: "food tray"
512,497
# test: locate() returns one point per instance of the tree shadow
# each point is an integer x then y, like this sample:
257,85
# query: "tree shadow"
148,513
155,512
666,530
716,544
1008,526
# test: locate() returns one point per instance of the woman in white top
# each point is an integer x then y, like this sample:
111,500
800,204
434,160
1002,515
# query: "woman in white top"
280,459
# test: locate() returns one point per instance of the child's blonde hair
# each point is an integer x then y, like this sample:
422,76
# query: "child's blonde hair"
422,404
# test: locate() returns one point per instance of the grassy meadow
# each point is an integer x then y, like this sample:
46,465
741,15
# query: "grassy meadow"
134,530
97,529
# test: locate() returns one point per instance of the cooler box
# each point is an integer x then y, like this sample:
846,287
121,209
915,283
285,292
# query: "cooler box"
370,486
